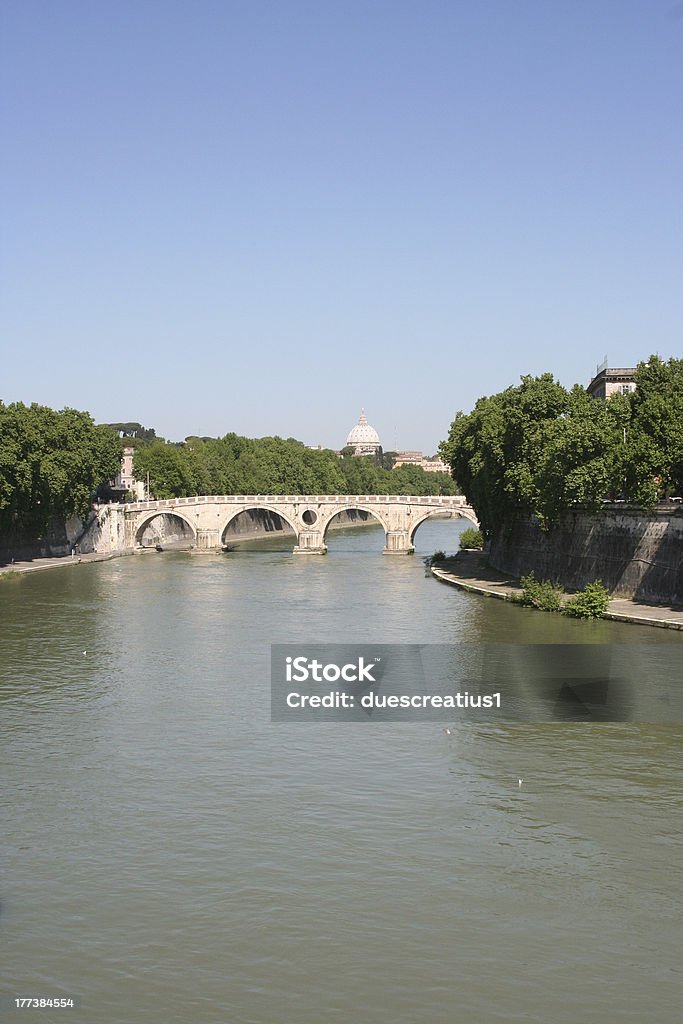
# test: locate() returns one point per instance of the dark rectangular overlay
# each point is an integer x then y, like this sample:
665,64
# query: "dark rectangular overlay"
477,682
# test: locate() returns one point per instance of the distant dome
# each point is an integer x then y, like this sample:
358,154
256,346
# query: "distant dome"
363,437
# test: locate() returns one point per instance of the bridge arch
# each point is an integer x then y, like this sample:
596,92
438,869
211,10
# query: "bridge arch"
374,513
435,513
257,507
147,518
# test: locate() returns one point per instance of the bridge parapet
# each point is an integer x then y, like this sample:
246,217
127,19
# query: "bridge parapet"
449,500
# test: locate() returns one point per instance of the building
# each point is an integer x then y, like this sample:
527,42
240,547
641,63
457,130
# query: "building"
363,438
125,482
608,381
407,459
433,465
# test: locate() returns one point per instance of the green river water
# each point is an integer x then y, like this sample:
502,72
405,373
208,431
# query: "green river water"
170,855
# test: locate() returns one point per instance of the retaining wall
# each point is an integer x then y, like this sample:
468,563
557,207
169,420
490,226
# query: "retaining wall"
637,554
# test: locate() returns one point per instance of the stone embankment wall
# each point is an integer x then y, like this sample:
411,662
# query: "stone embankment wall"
59,539
105,533
168,531
637,554
255,523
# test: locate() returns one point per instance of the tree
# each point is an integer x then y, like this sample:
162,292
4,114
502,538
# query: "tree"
133,431
271,465
51,463
535,448
579,461
169,469
654,441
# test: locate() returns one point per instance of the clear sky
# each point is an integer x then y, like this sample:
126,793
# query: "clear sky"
259,215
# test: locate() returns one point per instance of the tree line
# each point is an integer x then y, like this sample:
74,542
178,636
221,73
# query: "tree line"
536,448
541,449
51,464
271,465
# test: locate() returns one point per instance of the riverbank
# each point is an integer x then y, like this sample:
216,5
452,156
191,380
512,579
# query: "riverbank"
469,571
54,562
636,552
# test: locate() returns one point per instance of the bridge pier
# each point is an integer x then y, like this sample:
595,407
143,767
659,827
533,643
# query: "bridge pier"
310,542
208,540
398,543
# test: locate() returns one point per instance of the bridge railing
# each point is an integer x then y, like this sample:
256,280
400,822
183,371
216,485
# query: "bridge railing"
448,500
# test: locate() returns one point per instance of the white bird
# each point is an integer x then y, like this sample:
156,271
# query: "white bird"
520,781
447,731
85,652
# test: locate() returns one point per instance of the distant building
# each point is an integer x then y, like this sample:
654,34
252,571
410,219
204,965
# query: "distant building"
407,459
125,482
126,478
608,381
433,465
363,438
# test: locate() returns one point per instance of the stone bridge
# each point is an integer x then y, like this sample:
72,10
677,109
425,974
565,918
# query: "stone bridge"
309,516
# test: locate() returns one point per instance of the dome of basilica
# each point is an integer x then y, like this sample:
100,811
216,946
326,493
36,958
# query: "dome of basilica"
363,437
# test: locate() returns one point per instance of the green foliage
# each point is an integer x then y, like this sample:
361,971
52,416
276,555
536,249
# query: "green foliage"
471,538
589,603
51,463
133,431
271,465
541,594
438,556
541,450
653,457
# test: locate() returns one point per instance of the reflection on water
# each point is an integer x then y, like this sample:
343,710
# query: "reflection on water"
168,854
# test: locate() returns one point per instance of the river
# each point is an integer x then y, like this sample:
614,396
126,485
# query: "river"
170,855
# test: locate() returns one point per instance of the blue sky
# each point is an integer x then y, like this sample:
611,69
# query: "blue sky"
259,216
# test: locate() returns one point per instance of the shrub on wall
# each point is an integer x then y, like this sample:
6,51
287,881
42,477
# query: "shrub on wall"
589,603
540,594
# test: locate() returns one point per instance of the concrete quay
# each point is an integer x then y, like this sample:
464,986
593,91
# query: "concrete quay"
39,563
468,571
